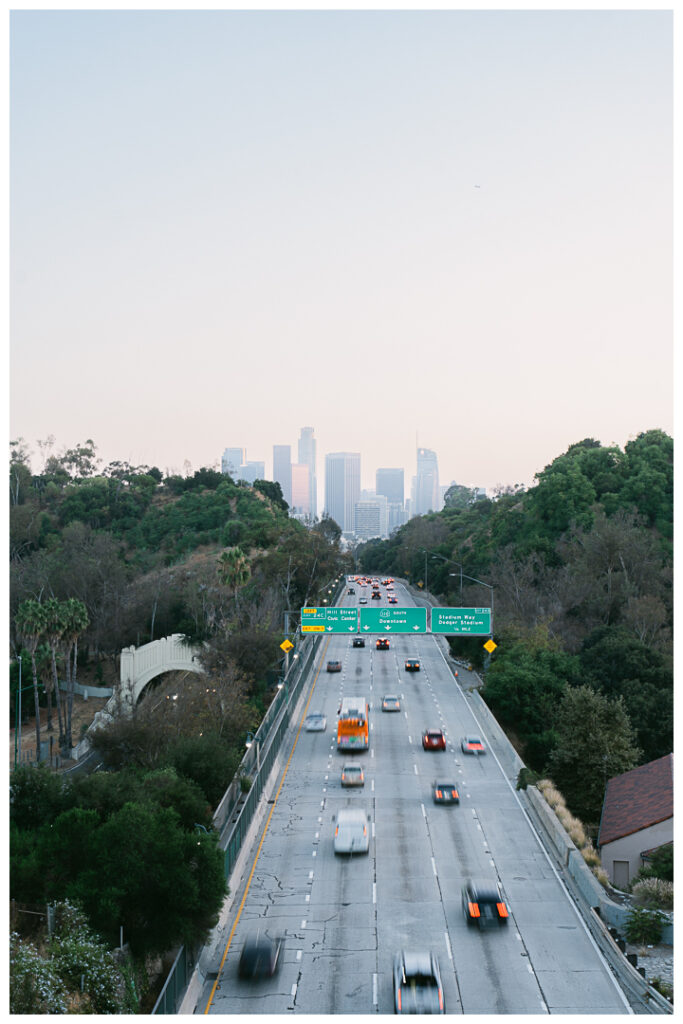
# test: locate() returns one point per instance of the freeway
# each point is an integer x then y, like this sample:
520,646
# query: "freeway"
344,918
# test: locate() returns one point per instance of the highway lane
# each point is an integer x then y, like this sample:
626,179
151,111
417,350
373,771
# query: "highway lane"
344,918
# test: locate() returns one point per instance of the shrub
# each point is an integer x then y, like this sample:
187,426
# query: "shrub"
602,877
526,777
590,855
34,985
552,796
644,926
654,893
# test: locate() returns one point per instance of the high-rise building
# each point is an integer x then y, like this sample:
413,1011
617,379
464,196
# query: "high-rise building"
251,471
301,490
396,515
307,457
231,461
427,493
370,517
282,469
389,482
342,488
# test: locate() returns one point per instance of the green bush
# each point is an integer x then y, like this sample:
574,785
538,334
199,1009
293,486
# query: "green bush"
644,926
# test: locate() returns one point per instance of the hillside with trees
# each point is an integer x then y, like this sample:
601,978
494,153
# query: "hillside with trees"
581,566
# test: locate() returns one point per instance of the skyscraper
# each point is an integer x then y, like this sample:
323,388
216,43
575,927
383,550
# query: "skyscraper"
389,482
231,461
370,516
307,457
342,488
427,494
282,469
251,471
301,490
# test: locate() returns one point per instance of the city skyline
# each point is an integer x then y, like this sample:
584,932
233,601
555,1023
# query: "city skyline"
218,234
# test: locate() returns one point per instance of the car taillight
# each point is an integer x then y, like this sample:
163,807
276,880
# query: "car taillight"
502,909
440,999
474,909
365,831
439,793
336,831
398,999
454,794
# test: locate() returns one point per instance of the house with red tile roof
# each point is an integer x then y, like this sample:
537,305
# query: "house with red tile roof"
637,818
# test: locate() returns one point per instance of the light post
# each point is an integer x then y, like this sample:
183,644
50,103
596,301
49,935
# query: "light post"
463,575
18,733
251,739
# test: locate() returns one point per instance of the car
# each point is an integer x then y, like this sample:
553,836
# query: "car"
382,643
412,665
390,702
393,600
483,902
472,745
358,641
363,600
260,956
315,722
351,834
351,591
352,775
334,666
417,983
433,739
376,596
445,793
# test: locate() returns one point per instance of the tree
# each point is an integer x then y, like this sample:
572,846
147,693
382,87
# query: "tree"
458,496
271,489
595,742
53,628
74,622
233,568
30,623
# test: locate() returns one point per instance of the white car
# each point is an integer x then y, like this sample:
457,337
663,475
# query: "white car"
352,834
316,722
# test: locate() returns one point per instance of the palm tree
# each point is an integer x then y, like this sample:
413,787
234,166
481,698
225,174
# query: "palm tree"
233,569
74,622
30,622
53,635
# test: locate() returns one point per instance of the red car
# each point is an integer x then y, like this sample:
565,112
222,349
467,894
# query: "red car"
433,739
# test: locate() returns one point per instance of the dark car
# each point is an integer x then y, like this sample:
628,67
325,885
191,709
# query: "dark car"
382,643
358,641
483,902
417,983
472,745
260,957
376,596
350,591
445,793
412,665
433,739
334,666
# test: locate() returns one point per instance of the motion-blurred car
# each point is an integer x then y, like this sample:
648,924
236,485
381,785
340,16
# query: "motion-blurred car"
412,665
417,983
376,596
351,591
433,739
358,641
483,902
390,702
334,666
382,643
351,834
260,957
472,745
352,775
315,722
392,599
445,793
363,600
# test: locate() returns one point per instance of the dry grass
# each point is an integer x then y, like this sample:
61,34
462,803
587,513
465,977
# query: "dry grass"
601,876
572,826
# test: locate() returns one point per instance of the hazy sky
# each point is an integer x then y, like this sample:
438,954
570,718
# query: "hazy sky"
453,225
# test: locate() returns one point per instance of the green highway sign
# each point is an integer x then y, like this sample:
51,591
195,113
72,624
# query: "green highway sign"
474,621
329,620
393,620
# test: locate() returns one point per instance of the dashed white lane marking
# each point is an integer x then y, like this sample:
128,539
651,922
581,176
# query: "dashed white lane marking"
294,990
415,767
372,785
326,778
448,946
479,826
320,821
372,753
308,897
317,835
373,830
529,968
299,954
492,863
303,923
315,853
518,936
374,990
374,892
310,876
372,726
424,813
410,739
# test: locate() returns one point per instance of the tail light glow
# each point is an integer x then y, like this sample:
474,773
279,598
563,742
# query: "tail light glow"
439,793
474,909
502,909
440,999
399,1000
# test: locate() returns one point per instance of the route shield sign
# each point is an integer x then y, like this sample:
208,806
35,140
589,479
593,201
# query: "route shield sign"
473,621
393,620
329,620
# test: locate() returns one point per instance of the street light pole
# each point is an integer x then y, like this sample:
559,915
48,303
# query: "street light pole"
19,725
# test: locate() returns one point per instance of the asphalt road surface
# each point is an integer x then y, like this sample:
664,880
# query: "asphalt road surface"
344,918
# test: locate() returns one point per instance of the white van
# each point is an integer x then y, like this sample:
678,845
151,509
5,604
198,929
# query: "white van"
352,834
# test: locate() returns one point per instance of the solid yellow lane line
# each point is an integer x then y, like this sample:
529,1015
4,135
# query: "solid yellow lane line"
251,874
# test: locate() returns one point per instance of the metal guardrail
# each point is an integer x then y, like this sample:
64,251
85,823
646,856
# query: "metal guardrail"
176,982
